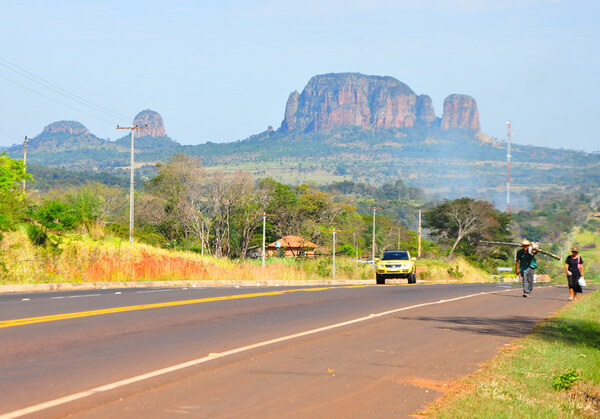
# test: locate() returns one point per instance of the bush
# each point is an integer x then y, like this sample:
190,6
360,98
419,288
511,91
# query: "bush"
57,216
566,380
324,267
455,273
37,235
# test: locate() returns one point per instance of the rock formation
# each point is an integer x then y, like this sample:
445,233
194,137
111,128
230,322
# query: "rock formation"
425,112
156,127
332,100
354,99
460,111
67,127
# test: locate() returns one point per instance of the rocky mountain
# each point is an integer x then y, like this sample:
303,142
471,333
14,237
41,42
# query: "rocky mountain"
154,137
65,135
354,99
460,111
70,144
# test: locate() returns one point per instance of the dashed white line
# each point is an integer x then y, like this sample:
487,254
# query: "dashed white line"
148,291
211,356
74,296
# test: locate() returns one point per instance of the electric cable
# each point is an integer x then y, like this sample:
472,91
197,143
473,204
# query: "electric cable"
59,90
57,101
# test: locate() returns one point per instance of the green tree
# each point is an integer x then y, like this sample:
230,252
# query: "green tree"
57,216
12,199
465,222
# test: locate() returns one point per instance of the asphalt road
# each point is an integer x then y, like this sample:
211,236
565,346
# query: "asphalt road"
364,351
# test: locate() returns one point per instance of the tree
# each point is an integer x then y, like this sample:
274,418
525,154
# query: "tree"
465,219
12,198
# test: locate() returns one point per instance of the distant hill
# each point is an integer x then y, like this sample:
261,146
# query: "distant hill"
346,126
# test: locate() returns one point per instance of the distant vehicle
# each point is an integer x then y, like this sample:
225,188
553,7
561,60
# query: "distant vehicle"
368,261
396,264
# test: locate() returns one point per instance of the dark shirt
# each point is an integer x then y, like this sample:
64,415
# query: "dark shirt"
525,259
573,265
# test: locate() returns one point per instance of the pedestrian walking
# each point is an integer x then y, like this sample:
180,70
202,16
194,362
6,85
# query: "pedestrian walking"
574,271
525,265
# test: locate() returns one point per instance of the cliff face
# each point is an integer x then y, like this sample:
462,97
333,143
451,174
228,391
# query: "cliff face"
354,99
332,100
425,110
460,111
156,126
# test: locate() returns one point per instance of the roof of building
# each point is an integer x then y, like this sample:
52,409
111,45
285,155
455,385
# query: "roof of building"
293,241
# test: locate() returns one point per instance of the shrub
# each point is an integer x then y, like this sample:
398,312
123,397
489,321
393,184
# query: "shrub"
566,380
37,235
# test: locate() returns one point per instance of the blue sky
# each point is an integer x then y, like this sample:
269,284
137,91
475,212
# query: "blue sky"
222,70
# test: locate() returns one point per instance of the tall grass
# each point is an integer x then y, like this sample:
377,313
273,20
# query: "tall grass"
81,258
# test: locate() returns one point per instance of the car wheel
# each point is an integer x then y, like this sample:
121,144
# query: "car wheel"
412,278
380,279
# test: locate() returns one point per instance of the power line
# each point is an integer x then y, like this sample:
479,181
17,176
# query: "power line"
9,134
59,90
56,101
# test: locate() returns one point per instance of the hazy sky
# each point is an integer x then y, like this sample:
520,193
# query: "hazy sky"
222,70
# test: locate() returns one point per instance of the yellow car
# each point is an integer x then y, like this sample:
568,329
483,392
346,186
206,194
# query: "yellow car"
396,264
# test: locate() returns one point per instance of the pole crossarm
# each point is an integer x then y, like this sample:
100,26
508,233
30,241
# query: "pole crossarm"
133,127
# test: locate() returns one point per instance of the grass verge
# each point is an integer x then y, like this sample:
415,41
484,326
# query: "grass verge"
552,373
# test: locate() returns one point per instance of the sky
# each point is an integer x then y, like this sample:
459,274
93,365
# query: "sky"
222,70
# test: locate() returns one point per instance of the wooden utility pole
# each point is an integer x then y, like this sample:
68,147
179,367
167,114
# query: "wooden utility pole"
25,159
264,217
420,212
374,209
132,178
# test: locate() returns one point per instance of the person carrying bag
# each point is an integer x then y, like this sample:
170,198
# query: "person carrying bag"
574,271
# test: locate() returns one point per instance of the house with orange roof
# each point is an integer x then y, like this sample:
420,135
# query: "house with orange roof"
292,246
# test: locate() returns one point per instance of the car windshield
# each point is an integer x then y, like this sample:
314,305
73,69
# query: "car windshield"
403,255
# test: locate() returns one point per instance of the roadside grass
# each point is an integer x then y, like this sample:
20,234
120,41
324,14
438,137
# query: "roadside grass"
552,373
587,241
457,270
81,258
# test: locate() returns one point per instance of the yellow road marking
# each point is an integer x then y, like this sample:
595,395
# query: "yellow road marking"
65,316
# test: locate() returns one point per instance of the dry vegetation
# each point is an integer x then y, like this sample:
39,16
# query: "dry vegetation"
80,258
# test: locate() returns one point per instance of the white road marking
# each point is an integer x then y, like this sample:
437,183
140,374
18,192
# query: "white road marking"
25,299
74,296
211,356
148,291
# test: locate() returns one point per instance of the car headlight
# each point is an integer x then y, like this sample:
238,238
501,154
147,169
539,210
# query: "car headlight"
380,266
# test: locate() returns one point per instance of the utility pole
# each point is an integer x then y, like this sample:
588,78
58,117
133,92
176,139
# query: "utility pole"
354,245
333,230
420,211
264,217
374,209
25,159
508,156
132,178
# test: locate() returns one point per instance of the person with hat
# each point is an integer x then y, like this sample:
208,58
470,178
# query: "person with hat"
525,265
574,271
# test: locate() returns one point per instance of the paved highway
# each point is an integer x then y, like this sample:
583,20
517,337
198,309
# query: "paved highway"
348,351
